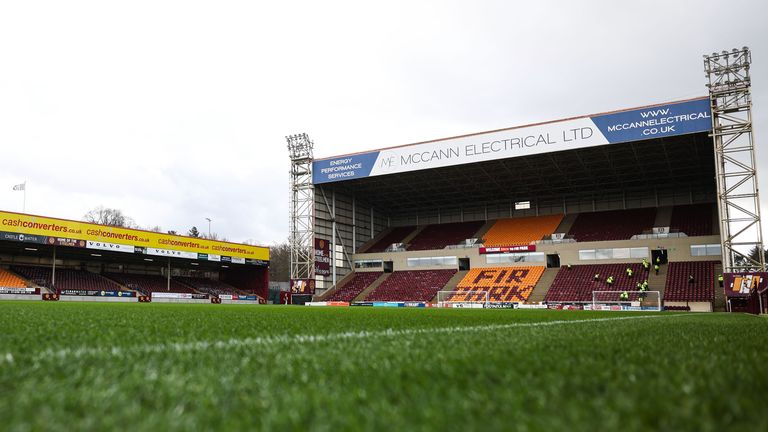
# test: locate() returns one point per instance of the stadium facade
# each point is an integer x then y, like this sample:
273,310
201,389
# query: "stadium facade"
537,213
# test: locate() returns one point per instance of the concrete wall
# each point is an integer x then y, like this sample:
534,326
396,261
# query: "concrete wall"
678,249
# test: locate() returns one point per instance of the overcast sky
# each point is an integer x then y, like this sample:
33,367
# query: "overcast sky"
174,111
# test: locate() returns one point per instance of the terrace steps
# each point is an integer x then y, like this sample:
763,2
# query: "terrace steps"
484,229
541,288
329,292
663,218
566,223
415,232
364,293
658,283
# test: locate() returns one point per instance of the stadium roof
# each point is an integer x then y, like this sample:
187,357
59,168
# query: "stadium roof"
31,231
682,162
658,147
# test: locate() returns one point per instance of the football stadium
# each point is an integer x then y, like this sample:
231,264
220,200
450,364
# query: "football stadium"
635,209
587,273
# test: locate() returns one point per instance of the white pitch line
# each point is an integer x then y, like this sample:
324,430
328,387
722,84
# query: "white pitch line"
78,353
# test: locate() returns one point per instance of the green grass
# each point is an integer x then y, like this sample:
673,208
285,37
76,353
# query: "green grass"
75,366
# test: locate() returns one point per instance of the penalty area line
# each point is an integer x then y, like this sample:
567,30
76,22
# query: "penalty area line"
178,347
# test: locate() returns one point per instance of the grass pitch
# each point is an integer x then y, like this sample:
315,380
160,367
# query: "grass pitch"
77,366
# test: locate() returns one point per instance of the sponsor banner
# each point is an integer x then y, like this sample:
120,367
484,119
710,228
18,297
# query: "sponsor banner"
227,297
76,231
171,295
212,257
97,293
658,121
68,242
90,244
329,303
236,260
316,304
531,306
171,253
226,259
465,305
246,297
742,284
388,304
415,304
178,295
14,290
322,257
501,305
366,304
202,257
508,249
302,286
260,263
26,238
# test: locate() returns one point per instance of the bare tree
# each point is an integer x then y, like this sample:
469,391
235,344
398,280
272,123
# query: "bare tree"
108,216
280,262
213,236
193,232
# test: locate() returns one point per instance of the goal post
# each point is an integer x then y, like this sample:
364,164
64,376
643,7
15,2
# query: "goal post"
463,299
634,300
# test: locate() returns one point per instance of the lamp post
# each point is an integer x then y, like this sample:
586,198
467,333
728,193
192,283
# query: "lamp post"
209,227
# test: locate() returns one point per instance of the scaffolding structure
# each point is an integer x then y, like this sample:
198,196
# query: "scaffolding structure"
302,206
730,97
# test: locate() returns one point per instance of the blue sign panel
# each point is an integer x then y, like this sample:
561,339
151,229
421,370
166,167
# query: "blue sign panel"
656,122
343,168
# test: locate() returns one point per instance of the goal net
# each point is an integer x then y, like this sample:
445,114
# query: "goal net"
633,300
462,299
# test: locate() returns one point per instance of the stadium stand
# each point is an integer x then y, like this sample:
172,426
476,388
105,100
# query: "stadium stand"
10,280
504,284
411,285
147,284
208,286
693,220
612,225
439,236
353,288
67,279
577,283
678,288
520,231
396,235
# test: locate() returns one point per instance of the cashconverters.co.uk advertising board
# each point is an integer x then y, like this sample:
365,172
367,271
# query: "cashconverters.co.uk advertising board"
678,118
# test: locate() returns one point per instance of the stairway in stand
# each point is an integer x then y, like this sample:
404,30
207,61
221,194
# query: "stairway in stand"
371,287
541,288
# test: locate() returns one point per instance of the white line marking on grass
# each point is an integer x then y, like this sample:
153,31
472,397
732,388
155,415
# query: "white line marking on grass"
78,353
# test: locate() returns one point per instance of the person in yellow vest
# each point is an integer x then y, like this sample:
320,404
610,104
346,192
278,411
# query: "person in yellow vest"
609,281
630,272
646,265
656,268
720,280
624,296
